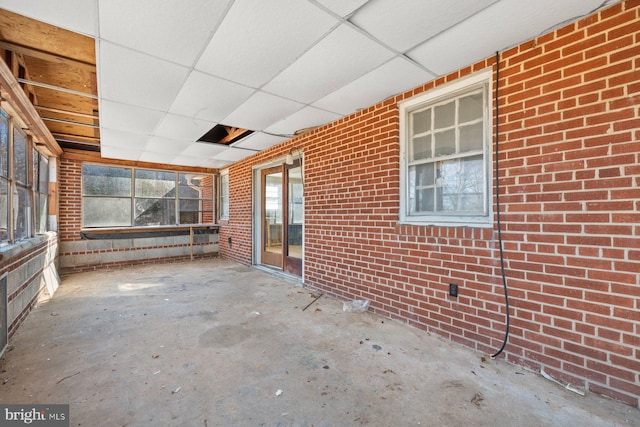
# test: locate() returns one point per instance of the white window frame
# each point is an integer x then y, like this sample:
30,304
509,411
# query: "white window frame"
224,195
432,97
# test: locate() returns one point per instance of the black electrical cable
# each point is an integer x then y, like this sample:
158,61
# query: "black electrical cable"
504,278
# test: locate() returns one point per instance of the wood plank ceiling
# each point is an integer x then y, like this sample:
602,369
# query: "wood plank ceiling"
57,70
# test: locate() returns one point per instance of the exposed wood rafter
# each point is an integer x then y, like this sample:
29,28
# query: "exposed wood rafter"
70,122
56,71
19,100
37,53
58,88
67,112
232,133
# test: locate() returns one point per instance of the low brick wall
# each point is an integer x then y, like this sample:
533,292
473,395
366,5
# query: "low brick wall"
86,255
31,272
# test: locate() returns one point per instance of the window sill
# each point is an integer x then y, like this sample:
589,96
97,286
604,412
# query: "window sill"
142,232
469,224
8,250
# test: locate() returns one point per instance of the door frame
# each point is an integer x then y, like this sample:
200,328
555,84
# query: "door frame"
256,211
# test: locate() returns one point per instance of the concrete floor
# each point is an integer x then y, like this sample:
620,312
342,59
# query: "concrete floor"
211,343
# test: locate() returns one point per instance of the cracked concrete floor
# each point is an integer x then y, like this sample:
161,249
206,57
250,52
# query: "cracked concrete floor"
213,343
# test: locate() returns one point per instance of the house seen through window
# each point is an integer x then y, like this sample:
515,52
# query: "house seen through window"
130,197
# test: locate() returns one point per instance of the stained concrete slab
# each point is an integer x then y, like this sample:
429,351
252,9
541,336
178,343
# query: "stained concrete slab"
213,343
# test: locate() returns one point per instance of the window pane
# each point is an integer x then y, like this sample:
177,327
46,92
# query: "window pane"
191,205
20,162
4,209
23,217
470,108
224,196
43,175
190,211
445,115
41,213
421,148
445,142
106,181
463,185
192,186
155,184
422,121
106,212
421,187
471,137
155,212
424,175
424,200
4,145
196,198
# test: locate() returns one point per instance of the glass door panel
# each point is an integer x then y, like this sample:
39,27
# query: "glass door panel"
272,217
295,219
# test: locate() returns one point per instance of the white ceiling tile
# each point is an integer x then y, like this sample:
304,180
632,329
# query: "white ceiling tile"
305,118
120,153
114,115
166,145
259,39
416,21
215,164
154,157
121,139
233,154
259,141
342,8
203,149
209,98
396,76
135,78
181,127
183,160
174,30
74,15
260,111
481,36
341,57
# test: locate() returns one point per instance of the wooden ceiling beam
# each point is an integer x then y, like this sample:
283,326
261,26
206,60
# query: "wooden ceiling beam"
47,56
19,100
58,88
76,138
68,112
70,122
232,133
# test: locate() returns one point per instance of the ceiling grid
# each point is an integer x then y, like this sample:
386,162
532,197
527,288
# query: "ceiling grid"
168,71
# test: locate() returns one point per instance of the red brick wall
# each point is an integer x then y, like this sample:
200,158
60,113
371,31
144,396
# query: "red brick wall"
70,199
570,196
235,233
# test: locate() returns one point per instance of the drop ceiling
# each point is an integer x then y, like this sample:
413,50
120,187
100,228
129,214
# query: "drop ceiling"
170,70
